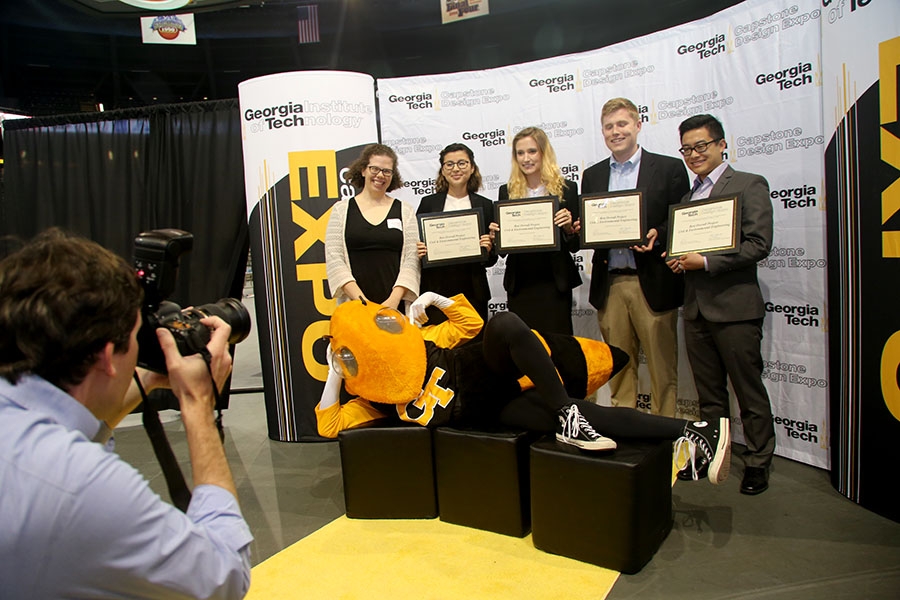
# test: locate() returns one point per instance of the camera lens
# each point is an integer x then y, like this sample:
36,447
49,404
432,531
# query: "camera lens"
232,312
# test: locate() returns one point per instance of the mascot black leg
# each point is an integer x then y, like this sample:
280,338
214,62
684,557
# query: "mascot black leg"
512,350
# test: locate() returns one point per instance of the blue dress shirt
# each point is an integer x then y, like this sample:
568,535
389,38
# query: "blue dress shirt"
623,176
79,522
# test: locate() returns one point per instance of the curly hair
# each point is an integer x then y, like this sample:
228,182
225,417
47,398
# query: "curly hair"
474,182
355,174
551,175
62,299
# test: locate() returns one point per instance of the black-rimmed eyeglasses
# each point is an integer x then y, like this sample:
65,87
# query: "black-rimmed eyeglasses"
699,147
460,164
376,170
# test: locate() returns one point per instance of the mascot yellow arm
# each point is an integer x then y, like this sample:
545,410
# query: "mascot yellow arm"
463,323
336,418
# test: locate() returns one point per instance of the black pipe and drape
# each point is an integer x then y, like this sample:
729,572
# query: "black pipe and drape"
109,176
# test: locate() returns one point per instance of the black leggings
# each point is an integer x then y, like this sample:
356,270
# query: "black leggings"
512,350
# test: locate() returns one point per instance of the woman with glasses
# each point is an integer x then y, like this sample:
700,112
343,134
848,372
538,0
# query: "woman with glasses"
458,180
539,284
370,242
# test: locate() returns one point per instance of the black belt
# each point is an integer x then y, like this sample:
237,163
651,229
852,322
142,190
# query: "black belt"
623,271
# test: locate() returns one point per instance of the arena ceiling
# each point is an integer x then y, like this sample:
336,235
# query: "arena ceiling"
62,56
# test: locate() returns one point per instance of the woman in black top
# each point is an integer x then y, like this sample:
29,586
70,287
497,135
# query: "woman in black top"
539,284
370,242
457,181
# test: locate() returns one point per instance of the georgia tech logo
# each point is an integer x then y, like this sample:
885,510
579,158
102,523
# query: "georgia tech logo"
496,137
799,430
785,79
561,83
706,48
276,117
414,102
798,197
432,396
804,315
420,187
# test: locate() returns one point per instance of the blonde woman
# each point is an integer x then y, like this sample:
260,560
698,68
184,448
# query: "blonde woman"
539,284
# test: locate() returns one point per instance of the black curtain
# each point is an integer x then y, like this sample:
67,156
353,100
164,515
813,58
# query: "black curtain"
109,176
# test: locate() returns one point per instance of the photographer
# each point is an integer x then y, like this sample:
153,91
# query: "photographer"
77,521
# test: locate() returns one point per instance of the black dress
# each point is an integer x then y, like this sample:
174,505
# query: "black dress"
374,251
539,284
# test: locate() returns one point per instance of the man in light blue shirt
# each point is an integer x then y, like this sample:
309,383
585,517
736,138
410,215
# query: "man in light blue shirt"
77,520
636,295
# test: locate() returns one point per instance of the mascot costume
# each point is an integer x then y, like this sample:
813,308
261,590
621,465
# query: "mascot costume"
514,377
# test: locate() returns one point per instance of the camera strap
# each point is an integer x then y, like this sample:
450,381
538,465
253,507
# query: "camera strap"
178,489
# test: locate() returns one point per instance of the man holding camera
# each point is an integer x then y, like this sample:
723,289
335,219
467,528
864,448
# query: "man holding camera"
77,520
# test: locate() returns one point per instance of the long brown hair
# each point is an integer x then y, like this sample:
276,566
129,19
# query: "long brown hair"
473,184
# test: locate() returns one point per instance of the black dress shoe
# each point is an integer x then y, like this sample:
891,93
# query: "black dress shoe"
687,474
756,480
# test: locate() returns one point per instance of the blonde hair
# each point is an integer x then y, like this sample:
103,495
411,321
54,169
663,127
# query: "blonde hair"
551,176
615,104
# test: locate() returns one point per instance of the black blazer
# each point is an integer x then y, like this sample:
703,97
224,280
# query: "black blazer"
479,291
663,181
565,273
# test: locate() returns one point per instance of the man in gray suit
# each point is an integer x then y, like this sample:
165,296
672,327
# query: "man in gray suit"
723,305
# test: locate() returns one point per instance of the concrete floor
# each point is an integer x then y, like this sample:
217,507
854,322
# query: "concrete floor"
799,540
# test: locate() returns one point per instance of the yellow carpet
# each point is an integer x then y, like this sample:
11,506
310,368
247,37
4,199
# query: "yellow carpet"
422,559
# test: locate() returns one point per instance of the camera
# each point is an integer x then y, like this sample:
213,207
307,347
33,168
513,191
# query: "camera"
156,258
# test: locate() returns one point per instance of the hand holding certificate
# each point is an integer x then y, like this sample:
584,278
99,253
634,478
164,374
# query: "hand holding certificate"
451,237
526,224
709,227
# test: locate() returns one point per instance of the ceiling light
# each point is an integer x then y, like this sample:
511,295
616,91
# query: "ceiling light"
157,4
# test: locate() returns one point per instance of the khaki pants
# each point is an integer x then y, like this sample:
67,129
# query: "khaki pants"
629,323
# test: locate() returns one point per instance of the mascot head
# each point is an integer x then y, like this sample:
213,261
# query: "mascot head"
380,354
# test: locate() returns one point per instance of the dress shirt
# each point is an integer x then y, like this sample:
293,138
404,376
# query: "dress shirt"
79,522
623,176
702,188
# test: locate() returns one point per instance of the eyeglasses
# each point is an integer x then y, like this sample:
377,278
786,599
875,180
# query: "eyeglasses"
376,170
460,164
699,147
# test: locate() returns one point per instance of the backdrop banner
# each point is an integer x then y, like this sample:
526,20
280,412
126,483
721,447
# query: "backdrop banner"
757,67
861,57
300,133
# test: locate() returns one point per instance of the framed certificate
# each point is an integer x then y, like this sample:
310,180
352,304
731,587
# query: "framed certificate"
452,237
613,219
706,226
526,225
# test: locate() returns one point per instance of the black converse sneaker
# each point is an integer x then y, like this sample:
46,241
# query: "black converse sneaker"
708,445
574,429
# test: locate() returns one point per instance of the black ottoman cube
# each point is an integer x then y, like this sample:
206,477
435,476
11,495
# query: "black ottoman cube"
611,509
482,479
388,472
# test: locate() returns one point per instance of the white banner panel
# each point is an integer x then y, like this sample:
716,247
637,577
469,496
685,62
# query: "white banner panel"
300,132
757,67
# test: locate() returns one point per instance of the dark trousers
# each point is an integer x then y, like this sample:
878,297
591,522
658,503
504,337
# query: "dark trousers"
718,351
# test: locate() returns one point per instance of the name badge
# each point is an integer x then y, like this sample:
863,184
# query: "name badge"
395,224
